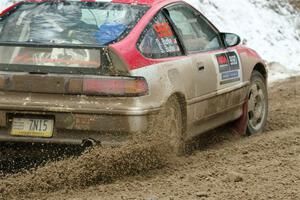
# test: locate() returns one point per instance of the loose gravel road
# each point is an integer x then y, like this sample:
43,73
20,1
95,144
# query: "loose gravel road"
222,165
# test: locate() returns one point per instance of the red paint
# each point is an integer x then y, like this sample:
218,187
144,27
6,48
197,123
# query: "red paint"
127,49
3,12
240,125
144,2
36,1
245,50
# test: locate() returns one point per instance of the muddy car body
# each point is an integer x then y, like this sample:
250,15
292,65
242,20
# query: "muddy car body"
107,89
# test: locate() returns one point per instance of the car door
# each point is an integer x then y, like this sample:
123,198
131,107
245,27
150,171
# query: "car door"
158,42
201,42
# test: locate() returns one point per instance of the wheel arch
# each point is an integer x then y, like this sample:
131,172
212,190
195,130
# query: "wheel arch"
183,107
260,67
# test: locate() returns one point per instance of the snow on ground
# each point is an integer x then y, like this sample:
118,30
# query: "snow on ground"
270,27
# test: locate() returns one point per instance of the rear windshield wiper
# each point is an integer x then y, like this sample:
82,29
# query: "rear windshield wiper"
40,42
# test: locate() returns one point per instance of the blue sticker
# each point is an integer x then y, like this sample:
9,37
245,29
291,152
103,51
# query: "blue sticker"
230,75
109,32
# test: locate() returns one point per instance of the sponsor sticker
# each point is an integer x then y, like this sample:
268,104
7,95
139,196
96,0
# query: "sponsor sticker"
163,30
166,39
223,62
170,44
229,67
229,75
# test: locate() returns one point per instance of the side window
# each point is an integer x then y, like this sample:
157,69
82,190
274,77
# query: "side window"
158,39
196,33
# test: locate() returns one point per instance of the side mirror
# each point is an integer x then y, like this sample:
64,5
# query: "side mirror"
231,39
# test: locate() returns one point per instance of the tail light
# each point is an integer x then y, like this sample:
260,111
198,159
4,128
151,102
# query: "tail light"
125,86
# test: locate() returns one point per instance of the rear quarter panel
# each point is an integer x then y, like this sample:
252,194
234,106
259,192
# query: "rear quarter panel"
165,79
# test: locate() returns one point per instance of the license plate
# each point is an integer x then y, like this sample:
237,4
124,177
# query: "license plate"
32,127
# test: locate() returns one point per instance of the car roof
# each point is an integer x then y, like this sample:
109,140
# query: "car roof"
143,2
149,3
140,2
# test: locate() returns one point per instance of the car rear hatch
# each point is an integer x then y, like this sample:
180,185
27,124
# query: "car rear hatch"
63,87
62,48
64,69
58,73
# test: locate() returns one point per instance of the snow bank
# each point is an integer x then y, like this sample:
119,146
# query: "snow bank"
270,27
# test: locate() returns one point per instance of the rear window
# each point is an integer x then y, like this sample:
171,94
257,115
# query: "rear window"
69,22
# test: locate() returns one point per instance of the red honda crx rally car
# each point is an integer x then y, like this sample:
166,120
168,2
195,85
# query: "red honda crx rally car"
79,71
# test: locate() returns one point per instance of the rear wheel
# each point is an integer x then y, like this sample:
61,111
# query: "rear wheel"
257,104
169,127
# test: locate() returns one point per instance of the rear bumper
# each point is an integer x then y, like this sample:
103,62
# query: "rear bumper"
110,110
78,118
70,137
81,104
76,128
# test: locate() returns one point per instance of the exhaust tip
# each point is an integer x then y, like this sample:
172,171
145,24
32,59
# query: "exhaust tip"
90,143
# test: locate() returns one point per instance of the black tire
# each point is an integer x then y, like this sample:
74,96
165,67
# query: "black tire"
257,104
168,126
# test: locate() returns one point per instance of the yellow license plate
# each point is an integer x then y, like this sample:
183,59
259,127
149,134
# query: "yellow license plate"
32,127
